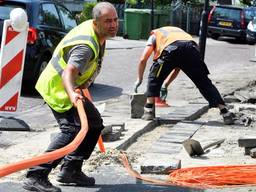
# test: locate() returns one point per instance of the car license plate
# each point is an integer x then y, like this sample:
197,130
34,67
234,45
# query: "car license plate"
226,24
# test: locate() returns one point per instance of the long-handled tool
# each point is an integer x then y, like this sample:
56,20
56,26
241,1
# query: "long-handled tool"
194,148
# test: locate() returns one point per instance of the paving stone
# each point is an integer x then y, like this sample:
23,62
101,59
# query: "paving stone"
107,129
247,150
178,134
156,167
137,105
162,150
253,152
247,141
231,99
166,148
172,139
113,136
119,126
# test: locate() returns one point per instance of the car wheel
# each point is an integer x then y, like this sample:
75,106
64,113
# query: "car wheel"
249,41
215,36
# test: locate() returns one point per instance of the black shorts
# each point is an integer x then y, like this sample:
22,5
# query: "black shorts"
180,54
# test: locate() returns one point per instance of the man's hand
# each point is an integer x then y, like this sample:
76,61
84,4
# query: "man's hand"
74,97
163,93
136,85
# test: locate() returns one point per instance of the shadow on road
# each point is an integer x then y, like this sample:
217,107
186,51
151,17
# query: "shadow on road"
98,91
232,40
17,187
103,92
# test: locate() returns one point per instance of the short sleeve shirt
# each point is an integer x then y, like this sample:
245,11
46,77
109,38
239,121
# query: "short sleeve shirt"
80,57
151,40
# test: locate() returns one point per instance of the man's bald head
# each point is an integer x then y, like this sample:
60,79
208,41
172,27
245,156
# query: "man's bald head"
97,10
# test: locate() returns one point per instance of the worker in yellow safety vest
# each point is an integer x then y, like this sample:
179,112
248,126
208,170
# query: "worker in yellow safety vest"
174,49
75,63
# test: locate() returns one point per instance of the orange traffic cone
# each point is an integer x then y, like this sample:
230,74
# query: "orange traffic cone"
161,103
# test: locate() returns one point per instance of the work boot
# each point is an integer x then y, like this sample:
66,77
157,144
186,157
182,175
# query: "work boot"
39,184
149,113
75,177
228,117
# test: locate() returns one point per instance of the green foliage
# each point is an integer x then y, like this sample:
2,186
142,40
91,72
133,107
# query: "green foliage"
131,2
246,2
162,2
116,1
86,14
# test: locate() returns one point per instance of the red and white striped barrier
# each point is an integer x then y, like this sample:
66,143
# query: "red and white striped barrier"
12,55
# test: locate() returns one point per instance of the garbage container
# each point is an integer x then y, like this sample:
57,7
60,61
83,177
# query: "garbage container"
133,23
138,22
146,23
162,17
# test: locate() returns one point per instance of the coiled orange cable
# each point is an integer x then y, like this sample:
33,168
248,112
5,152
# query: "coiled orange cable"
203,177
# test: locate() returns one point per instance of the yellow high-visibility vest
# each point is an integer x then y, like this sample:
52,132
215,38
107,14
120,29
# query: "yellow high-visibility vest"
49,84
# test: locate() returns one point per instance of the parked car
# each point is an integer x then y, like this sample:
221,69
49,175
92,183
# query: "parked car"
49,21
251,27
251,32
229,21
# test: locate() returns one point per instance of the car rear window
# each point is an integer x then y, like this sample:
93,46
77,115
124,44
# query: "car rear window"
225,13
250,13
5,10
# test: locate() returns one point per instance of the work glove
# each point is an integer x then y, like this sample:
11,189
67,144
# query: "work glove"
163,93
136,85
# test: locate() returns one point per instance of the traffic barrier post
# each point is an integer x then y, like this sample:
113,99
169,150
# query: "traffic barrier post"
12,56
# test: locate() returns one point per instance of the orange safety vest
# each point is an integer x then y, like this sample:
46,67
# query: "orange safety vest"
167,35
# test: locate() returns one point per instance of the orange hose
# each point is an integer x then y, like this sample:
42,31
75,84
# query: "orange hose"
59,153
53,155
87,94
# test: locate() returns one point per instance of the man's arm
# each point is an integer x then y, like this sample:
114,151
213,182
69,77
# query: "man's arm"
69,75
143,61
78,59
171,77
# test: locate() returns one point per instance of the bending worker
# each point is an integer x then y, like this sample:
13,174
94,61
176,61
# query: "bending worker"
75,63
175,49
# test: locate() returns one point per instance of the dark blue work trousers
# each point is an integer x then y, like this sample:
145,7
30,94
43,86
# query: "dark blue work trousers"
69,123
186,56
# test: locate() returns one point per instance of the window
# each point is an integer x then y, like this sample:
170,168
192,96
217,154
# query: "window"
49,16
6,9
250,13
227,13
68,20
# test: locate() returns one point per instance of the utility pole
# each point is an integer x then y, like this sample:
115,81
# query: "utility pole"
152,14
203,28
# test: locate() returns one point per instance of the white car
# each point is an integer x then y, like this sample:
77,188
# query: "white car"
251,31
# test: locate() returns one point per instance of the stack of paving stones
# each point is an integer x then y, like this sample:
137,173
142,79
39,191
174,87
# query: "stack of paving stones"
112,132
249,144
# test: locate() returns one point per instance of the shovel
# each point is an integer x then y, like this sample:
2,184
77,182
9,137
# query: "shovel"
194,148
